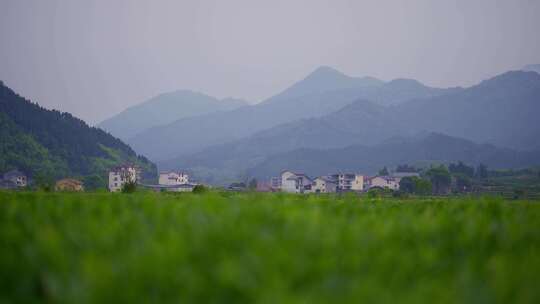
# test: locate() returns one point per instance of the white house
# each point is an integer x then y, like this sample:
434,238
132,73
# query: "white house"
384,182
295,182
348,181
121,175
323,184
16,178
173,178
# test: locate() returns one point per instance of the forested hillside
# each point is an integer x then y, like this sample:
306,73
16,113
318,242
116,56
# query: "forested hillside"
56,144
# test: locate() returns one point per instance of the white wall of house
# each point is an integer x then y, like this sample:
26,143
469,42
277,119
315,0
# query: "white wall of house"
322,185
358,183
288,182
186,188
16,177
120,176
173,178
349,181
295,183
384,182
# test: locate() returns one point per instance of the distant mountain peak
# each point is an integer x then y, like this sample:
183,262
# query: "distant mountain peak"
405,83
326,72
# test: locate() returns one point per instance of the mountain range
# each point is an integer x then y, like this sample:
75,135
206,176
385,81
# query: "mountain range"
50,143
322,92
501,111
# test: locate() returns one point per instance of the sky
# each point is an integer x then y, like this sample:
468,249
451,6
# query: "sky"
94,58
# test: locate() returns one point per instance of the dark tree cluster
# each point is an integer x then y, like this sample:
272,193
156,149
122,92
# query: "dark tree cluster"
415,185
461,168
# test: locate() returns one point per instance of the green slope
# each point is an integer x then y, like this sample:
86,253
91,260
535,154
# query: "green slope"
21,151
37,140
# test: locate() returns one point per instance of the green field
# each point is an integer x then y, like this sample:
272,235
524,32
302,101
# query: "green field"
266,248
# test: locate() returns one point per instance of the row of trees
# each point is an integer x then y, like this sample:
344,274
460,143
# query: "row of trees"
441,179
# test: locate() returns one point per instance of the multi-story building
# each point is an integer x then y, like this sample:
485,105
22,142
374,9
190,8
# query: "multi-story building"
121,175
348,181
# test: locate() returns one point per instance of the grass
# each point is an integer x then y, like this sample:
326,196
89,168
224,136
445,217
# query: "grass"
266,248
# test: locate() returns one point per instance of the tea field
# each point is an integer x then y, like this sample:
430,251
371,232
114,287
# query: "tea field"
266,248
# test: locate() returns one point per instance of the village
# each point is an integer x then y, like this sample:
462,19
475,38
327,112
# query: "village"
173,181
288,181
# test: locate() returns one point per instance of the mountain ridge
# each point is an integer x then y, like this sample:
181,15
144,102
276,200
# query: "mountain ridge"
301,100
166,108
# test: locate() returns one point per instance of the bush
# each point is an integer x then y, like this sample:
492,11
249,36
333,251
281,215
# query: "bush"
200,189
400,194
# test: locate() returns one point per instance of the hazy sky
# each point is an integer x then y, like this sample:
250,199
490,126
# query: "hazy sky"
95,58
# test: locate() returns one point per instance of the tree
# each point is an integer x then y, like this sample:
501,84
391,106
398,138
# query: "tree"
463,182
93,182
199,189
44,182
252,184
383,171
129,187
406,169
440,179
461,168
407,184
481,171
423,187
415,185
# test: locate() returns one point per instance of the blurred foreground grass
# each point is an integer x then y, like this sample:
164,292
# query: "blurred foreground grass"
266,248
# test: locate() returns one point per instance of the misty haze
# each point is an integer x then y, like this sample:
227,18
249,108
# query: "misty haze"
270,151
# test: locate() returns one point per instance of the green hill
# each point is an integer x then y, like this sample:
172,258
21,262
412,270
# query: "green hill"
55,144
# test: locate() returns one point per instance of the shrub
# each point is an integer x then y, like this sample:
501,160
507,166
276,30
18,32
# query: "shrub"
200,189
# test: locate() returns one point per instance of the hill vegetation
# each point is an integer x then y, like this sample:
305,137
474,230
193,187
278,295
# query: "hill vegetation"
55,144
